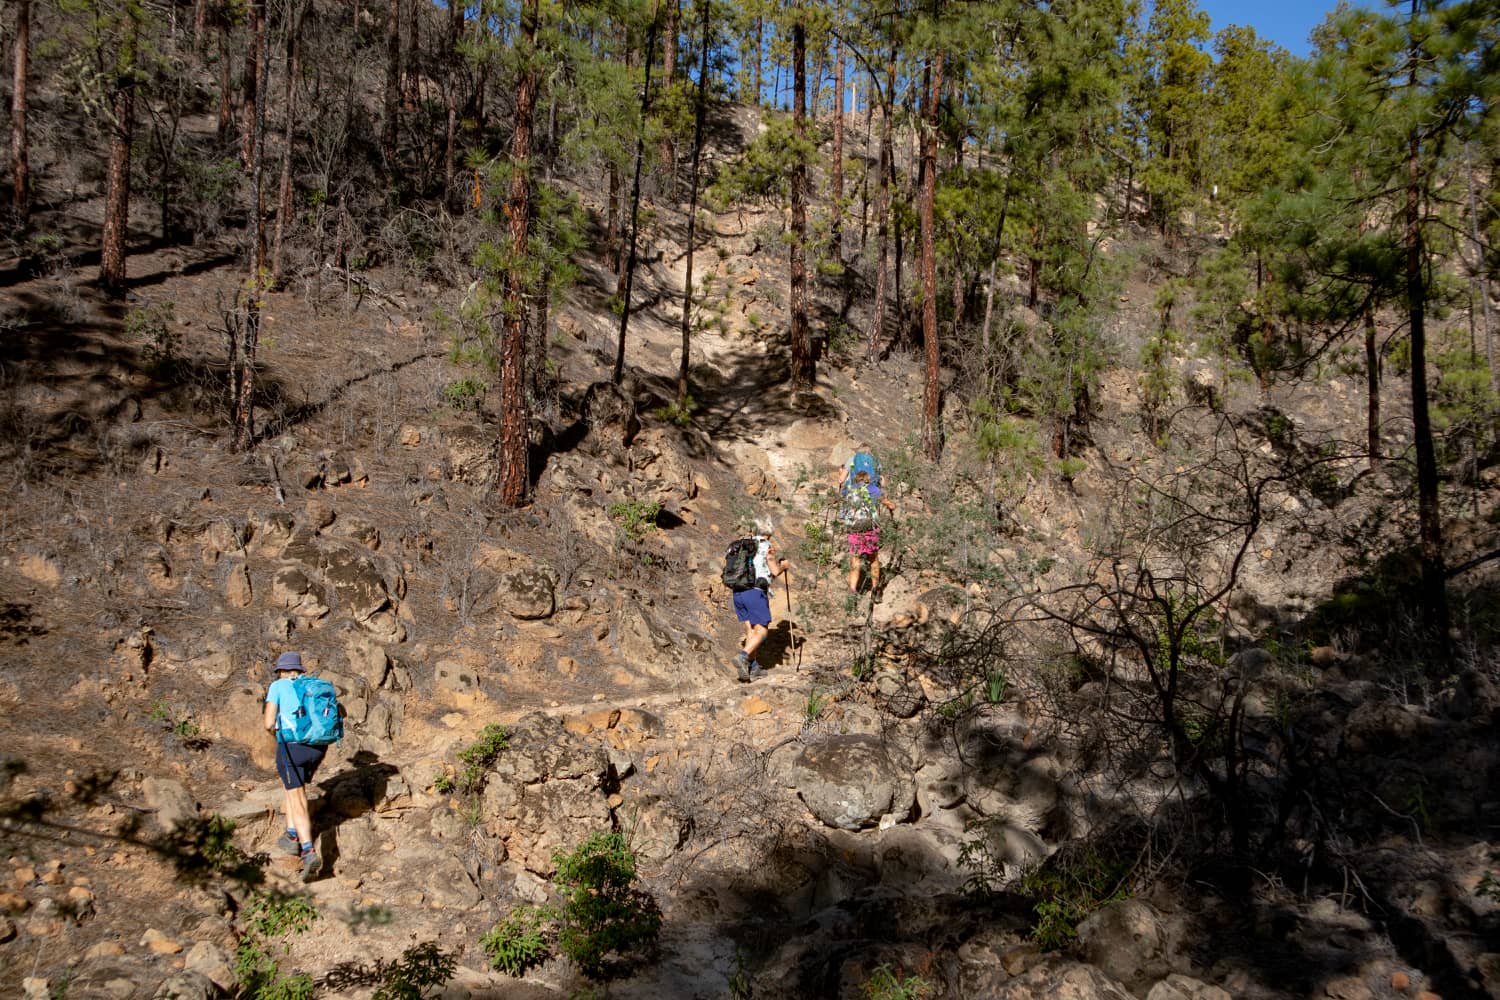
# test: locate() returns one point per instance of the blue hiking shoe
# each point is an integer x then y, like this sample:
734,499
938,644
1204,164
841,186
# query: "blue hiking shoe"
311,865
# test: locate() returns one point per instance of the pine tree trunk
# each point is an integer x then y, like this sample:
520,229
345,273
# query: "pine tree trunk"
244,381
117,194
804,365
450,101
635,211
932,440
226,89
665,149
699,112
883,213
251,82
836,179
20,163
392,101
513,478
284,186
760,55
1434,575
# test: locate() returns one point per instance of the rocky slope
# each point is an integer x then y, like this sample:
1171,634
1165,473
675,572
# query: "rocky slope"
798,833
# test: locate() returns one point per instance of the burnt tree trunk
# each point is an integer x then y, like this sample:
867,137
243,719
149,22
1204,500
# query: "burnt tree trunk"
20,164
687,294
513,477
284,186
804,365
932,440
122,132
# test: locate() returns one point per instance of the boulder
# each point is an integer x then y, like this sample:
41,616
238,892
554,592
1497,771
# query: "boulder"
527,594
1129,940
545,792
171,801
850,781
1062,981
187,985
356,582
1180,987
471,453
291,589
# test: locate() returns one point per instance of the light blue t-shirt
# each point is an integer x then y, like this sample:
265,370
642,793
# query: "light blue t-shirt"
283,695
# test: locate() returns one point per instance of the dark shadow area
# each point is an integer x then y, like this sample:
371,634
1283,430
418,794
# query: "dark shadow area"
18,623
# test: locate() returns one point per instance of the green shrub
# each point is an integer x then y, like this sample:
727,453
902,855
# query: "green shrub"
602,912
519,942
677,412
885,984
465,393
271,920
477,758
600,918
1068,888
637,518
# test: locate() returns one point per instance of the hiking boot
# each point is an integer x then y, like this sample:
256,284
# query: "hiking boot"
756,671
311,865
742,667
287,844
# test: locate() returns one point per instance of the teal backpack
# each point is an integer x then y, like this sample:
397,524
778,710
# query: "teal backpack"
318,721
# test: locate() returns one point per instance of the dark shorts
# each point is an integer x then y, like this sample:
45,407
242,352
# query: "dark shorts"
296,762
753,606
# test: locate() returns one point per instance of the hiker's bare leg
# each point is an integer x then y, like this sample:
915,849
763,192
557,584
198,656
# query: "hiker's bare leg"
757,636
875,571
856,563
297,815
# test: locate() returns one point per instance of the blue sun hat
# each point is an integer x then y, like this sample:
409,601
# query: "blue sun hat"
289,661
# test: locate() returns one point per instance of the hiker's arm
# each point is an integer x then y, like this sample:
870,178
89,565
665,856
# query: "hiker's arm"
775,563
888,504
268,718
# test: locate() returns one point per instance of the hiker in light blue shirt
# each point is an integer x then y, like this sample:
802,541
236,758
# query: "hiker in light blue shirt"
295,763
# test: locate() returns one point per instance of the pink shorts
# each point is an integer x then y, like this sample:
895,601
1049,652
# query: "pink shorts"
865,543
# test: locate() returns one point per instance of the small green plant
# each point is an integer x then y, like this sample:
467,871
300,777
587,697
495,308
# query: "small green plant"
271,920
465,393
885,984
181,726
637,518
151,327
816,701
1489,883
739,983
601,920
994,686
420,966
519,942
477,758
677,412
1067,889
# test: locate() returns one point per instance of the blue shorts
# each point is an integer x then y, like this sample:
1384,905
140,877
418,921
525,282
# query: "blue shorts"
753,606
296,762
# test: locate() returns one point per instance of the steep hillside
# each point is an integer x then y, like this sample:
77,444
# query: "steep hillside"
799,833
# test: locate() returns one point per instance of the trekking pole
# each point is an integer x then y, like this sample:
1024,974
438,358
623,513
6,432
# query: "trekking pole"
791,623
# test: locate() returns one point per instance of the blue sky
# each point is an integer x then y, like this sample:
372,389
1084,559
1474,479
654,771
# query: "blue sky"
1285,22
